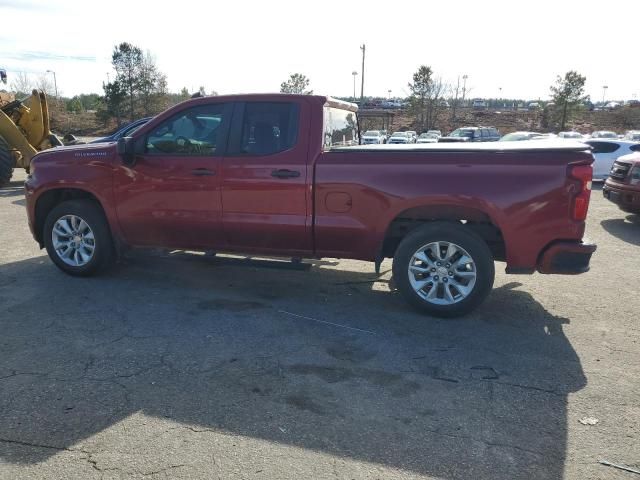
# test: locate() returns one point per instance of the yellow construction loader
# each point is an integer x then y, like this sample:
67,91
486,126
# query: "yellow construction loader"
24,131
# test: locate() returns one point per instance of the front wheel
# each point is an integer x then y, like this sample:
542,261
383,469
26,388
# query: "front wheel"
443,269
78,238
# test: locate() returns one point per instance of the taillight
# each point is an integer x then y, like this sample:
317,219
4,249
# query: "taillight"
584,174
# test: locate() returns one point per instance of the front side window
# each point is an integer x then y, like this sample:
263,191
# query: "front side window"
269,127
340,128
192,132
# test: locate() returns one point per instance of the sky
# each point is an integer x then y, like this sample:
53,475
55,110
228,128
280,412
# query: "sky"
511,49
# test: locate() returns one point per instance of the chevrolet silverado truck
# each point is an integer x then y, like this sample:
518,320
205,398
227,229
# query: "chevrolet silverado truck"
623,185
285,175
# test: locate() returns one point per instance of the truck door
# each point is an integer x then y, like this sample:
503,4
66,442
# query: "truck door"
171,196
266,191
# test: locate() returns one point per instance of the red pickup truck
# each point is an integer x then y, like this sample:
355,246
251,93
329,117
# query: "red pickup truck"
284,175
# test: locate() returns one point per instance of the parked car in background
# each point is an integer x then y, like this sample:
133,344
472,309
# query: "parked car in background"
479,104
518,136
399,137
125,131
533,106
444,104
435,132
604,134
622,187
472,134
572,135
612,106
605,151
427,138
413,134
633,135
373,137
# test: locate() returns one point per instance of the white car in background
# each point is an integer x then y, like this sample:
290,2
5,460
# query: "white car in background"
399,137
571,135
373,137
428,138
606,151
604,134
413,134
633,135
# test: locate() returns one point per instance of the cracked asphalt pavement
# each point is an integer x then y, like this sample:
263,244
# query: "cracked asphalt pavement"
176,365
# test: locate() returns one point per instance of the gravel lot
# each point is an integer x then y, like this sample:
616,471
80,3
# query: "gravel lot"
175,365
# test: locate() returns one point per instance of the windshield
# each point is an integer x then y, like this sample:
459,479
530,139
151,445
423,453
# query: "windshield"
399,134
372,133
462,132
428,135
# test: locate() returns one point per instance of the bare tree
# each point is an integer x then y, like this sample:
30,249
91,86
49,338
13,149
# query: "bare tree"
45,84
22,84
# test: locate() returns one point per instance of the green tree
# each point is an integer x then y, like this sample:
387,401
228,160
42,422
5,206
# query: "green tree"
568,95
115,97
74,105
128,62
427,93
297,83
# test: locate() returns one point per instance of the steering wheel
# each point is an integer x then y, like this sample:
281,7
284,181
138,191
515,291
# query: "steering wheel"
183,142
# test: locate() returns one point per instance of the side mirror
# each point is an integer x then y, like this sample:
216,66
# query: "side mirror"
125,148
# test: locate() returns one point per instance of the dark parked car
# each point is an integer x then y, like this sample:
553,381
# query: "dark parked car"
125,131
472,134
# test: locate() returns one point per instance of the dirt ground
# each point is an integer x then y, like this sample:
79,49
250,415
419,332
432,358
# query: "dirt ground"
181,366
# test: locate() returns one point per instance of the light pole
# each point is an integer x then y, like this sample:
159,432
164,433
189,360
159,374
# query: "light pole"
464,87
55,83
604,93
355,74
500,94
389,92
363,47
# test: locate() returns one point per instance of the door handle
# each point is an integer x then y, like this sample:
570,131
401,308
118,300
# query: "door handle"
284,173
202,172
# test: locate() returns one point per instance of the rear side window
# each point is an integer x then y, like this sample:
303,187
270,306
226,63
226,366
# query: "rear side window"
269,127
340,128
604,147
635,148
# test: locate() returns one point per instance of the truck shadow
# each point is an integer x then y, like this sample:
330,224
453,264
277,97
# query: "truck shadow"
326,360
627,230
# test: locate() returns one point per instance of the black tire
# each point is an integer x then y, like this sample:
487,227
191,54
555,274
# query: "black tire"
93,215
460,235
7,163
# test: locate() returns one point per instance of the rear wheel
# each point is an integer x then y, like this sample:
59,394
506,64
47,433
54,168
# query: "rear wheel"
443,269
77,238
7,163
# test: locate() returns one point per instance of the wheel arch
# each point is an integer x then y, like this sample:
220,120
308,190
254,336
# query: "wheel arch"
477,219
49,199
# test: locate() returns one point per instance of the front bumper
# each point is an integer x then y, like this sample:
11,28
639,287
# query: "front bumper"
566,257
627,199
